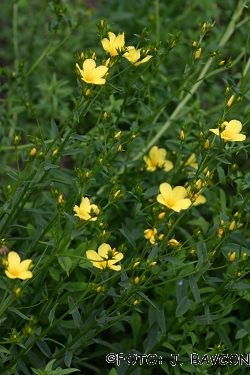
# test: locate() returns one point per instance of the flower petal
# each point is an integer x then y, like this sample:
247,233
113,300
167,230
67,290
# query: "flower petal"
118,257
25,275
103,250
88,66
93,256
24,265
115,268
200,200
13,259
168,165
166,190
100,71
215,131
10,276
234,126
182,204
179,192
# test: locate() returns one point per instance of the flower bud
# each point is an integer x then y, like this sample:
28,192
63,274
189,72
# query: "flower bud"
117,135
197,54
230,101
182,135
116,193
232,256
206,144
136,264
136,280
232,225
32,152
161,215
173,242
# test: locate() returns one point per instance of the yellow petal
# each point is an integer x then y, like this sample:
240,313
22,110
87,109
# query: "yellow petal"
161,200
13,259
168,165
179,192
115,268
10,276
88,66
24,265
25,275
93,256
215,131
182,204
103,250
234,126
165,190
200,200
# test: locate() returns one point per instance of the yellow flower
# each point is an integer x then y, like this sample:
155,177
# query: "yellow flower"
105,258
17,269
113,44
231,131
86,209
133,55
91,74
173,198
149,234
157,159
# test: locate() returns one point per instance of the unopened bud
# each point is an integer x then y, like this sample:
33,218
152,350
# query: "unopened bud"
232,225
87,92
230,101
182,135
116,193
117,135
136,264
136,280
197,54
99,289
135,302
161,215
199,183
32,152
204,26
173,242
220,232
232,256
206,144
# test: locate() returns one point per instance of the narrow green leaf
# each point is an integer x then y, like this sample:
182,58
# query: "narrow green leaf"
194,288
125,232
183,307
52,313
65,263
147,299
241,333
75,313
18,313
44,348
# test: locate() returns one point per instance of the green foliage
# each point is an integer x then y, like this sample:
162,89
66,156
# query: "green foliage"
140,149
